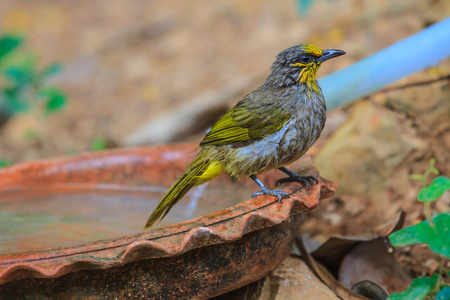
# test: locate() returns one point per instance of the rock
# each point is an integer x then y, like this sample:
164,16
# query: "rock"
365,150
291,280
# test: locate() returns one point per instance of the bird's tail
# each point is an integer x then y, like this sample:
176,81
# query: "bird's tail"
199,172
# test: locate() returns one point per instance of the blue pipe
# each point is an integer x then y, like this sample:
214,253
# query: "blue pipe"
422,50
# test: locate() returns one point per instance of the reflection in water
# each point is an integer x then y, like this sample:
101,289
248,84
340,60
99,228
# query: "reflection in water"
66,216
194,197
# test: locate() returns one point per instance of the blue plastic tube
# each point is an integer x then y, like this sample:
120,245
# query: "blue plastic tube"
422,50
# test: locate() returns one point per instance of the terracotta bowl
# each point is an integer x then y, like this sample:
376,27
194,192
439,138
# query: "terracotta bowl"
72,227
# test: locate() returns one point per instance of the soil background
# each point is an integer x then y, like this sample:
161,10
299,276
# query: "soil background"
125,63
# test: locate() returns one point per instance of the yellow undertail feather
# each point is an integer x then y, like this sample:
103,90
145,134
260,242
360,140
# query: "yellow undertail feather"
197,173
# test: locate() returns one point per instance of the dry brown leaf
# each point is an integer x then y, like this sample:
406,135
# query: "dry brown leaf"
325,276
332,252
373,261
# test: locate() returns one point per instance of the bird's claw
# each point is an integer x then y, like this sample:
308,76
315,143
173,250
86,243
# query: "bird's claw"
277,193
306,181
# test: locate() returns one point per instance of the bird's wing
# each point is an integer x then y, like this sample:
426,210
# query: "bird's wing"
243,124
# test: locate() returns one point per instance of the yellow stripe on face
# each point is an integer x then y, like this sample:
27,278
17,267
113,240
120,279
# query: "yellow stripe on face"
308,72
300,65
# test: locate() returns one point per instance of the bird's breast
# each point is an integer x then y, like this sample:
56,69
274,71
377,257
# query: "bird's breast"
284,146
276,150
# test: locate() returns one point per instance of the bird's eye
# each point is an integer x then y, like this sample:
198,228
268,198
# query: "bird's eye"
305,58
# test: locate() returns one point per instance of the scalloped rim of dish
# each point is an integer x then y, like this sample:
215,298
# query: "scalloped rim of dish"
221,227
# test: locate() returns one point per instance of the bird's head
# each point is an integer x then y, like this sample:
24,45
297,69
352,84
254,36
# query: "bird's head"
299,65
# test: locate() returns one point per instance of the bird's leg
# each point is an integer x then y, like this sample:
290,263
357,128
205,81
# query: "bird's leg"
265,191
305,180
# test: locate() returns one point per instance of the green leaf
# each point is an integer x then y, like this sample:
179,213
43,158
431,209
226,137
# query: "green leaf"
30,134
435,190
20,76
98,144
419,289
434,171
50,70
403,237
444,294
5,163
432,162
55,99
8,43
416,177
12,101
440,241
437,237
304,6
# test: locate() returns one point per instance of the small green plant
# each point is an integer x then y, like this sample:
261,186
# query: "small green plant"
5,163
23,87
303,6
99,144
434,231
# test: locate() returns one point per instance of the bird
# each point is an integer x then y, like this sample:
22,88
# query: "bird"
269,128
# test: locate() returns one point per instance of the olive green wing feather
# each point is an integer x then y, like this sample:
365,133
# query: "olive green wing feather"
242,124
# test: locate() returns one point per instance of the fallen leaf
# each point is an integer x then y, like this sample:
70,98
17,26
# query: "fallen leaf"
332,252
373,260
325,276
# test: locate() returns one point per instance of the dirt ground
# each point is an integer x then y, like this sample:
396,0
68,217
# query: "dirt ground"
129,62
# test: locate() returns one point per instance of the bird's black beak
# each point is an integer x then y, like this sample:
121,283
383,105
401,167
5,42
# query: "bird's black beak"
327,54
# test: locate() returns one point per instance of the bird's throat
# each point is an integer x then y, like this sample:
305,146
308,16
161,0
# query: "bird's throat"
307,77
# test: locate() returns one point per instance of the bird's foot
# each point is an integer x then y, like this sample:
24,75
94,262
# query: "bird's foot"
277,193
306,181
